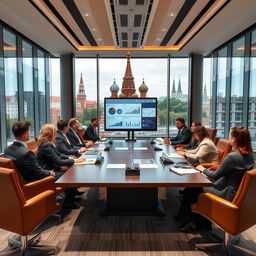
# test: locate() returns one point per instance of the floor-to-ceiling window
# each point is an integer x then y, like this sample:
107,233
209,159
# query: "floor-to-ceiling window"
55,104
179,71
41,88
207,93
86,90
10,80
237,77
27,65
252,90
221,92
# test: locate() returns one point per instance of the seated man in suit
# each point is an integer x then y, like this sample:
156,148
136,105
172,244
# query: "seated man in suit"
184,135
90,132
73,136
62,142
23,158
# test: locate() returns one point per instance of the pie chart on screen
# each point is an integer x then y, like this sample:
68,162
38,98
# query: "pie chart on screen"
112,111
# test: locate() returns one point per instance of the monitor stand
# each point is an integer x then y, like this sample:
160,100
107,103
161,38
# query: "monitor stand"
130,139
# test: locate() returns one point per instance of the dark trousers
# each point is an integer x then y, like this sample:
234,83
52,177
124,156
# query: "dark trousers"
185,215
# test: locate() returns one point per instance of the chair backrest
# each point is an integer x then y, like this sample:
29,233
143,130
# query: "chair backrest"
32,145
81,132
11,201
212,133
245,201
224,147
9,163
216,140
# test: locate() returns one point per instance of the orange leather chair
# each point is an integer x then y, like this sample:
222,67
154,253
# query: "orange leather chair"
31,189
212,133
216,140
233,217
32,145
22,215
224,147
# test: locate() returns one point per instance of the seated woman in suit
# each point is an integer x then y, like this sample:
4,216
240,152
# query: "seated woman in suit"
48,155
226,179
194,142
206,150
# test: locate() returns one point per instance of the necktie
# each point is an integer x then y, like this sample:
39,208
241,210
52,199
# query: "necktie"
65,136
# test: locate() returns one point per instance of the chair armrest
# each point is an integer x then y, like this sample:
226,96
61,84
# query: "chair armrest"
222,212
180,145
37,208
208,165
36,187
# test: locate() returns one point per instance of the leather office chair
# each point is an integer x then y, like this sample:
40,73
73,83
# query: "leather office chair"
31,189
22,215
232,217
216,140
32,145
224,147
212,133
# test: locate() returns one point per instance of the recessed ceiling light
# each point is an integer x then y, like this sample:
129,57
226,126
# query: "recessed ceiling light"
164,29
171,14
99,39
130,20
158,39
94,29
85,14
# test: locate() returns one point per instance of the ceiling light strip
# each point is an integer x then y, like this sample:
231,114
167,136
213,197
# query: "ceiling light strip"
114,48
54,22
186,7
64,23
77,16
218,5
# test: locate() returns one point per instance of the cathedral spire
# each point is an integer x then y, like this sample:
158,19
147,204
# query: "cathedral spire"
128,88
173,88
179,91
81,92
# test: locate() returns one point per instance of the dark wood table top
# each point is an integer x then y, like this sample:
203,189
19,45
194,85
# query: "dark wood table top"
100,176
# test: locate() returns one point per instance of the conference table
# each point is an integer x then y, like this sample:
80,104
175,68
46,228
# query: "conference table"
130,194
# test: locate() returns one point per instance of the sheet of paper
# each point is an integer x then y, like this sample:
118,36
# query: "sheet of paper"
121,148
182,171
96,149
116,166
87,161
143,161
143,148
142,166
174,155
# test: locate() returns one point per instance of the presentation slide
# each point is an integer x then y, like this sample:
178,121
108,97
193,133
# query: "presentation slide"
130,114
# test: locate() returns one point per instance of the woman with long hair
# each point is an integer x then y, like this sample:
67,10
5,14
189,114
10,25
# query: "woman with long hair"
206,150
226,179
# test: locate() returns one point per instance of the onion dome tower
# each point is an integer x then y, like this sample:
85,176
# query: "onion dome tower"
128,87
114,88
143,89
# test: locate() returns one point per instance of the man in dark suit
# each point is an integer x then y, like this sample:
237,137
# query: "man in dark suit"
90,132
62,142
184,134
23,158
73,136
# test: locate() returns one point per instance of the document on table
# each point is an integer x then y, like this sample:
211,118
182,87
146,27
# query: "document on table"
143,161
174,155
144,166
121,148
183,171
87,162
116,166
143,148
96,149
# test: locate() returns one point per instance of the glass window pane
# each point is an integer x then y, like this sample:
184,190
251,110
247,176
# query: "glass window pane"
237,77
179,92
27,63
86,91
10,79
221,92
207,93
55,104
252,92
41,88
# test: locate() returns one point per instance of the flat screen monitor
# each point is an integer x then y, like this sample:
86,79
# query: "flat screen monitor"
130,114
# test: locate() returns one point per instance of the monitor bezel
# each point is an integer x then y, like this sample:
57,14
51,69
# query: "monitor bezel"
124,130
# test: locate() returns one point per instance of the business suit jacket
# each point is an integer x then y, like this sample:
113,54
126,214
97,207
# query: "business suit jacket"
25,162
206,152
90,134
183,136
229,174
49,157
74,140
64,147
